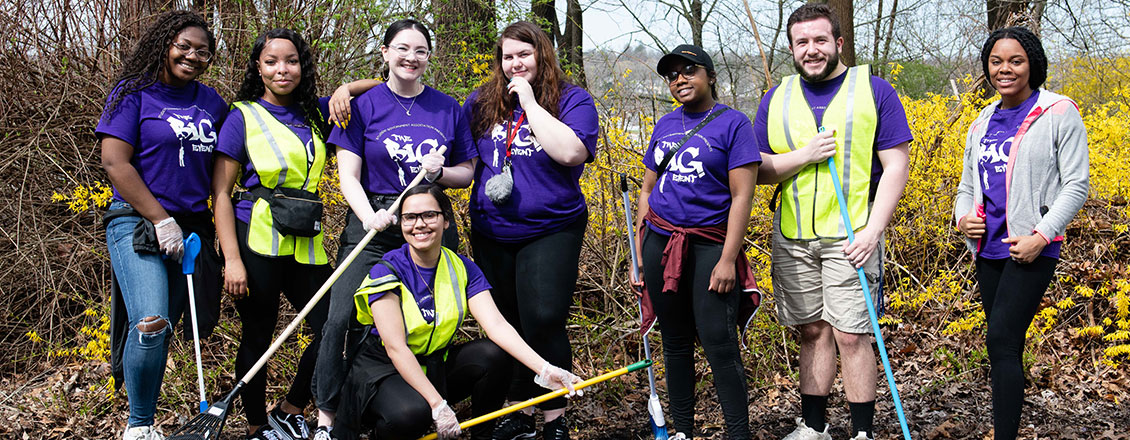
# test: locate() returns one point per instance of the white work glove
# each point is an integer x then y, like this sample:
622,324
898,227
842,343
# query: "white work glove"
555,378
433,164
379,220
170,238
447,426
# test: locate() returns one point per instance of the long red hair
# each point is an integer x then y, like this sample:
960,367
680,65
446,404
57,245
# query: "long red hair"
493,105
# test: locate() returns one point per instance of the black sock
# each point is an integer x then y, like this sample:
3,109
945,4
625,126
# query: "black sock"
862,417
812,410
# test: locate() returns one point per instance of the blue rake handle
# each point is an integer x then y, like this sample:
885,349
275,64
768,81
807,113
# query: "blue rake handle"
188,267
867,297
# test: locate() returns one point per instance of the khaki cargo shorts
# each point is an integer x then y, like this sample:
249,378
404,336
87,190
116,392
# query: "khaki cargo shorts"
813,281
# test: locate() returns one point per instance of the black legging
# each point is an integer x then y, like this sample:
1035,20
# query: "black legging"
258,314
342,330
532,283
331,368
1010,294
475,369
695,311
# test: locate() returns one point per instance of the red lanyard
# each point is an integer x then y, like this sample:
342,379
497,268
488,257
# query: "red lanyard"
511,134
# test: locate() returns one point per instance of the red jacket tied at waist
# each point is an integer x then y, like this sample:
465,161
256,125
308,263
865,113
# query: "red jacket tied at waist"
676,251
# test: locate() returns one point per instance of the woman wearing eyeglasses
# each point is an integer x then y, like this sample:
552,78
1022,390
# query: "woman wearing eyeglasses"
407,369
535,132
157,133
694,207
393,131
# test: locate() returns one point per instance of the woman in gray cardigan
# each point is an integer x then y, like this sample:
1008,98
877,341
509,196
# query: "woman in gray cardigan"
1024,177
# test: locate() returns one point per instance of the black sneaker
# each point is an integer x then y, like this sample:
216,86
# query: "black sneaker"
516,426
288,426
558,429
265,433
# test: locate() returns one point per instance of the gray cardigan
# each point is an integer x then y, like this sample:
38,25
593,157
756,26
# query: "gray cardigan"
1047,172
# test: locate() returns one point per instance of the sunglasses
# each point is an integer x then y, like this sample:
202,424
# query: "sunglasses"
688,71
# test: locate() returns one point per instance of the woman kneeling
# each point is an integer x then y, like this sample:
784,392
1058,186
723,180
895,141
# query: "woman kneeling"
417,297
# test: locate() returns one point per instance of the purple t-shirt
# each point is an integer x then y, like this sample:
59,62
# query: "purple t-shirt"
390,142
547,195
991,168
695,188
891,129
421,280
173,131
233,138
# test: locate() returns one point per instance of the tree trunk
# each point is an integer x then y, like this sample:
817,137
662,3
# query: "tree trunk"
462,28
1000,11
696,21
573,44
570,43
546,15
846,13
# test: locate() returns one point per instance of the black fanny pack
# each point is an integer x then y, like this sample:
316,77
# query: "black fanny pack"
294,211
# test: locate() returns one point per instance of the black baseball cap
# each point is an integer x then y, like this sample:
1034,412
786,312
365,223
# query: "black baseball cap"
687,52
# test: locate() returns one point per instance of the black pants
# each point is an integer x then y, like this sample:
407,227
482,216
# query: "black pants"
476,369
696,312
532,283
342,328
1010,294
258,314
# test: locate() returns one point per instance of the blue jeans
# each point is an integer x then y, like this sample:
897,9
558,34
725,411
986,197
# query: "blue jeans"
145,281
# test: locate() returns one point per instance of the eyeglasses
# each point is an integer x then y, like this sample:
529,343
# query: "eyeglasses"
201,54
404,51
429,217
688,71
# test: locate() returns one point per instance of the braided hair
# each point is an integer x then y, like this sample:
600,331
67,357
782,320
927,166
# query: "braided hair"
306,94
1038,62
151,55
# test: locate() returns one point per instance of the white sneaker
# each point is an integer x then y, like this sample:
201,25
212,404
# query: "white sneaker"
861,436
678,436
803,432
322,433
142,433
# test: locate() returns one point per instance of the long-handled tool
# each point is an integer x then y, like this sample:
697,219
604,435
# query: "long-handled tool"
547,396
209,424
188,267
867,297
654,408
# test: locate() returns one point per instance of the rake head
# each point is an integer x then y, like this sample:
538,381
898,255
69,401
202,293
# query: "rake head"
207,425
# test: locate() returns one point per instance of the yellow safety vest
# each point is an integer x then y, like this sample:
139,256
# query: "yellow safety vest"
809,209
280,158
423,337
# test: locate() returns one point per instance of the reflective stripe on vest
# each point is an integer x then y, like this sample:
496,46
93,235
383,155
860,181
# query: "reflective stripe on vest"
809,209
450,301
279,157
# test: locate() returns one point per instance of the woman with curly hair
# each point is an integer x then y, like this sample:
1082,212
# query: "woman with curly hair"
535,131
275,139
1025,177
157,133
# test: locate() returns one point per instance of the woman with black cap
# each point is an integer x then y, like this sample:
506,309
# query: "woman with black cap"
695,204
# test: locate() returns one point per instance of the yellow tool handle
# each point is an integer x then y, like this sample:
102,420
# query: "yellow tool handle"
544,397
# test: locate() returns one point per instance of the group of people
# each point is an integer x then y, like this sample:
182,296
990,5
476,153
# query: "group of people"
383,356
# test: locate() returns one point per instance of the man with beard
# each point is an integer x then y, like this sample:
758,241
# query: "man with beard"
830,110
